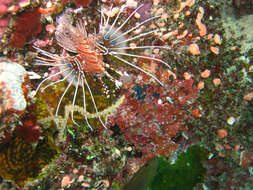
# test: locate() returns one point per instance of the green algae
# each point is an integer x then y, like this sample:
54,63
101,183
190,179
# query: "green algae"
159,174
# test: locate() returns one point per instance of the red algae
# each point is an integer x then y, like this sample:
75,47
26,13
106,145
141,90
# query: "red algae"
142,123
27,25
82,3
7,8
30,129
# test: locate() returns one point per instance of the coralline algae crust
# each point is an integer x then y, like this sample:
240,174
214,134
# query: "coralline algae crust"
12,75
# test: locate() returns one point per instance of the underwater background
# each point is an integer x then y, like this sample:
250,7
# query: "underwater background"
171,108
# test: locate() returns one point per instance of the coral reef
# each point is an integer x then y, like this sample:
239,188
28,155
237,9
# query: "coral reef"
22,145
204,100
27,25
82,3
159,174
13,100
20,160
142,123
7,8
30,129
12,77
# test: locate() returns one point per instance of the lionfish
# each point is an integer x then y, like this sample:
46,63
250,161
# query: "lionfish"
87,52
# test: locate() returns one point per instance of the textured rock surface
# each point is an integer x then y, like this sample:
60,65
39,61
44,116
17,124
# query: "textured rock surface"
11,78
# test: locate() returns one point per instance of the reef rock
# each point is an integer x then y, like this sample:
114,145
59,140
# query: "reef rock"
12,76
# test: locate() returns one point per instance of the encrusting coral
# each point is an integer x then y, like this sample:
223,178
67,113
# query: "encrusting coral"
204,98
